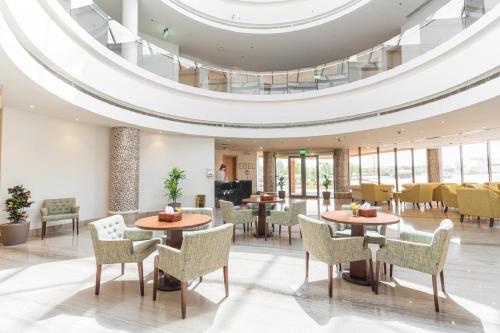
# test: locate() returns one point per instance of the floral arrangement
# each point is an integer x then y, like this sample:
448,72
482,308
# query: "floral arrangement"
355,209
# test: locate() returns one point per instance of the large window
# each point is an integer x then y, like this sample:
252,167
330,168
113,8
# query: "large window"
260,172
475,163
450,157
354,166
405,174
420,165
369,167
326,168
387,168
495,160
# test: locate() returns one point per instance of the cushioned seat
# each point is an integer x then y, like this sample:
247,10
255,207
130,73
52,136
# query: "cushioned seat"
418,193
376,193
420,251
60,209
114,243
288,218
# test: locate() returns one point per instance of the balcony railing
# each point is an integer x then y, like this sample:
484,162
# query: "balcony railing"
456,16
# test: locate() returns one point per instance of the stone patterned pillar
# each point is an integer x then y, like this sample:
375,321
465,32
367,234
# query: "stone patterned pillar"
434,165
124,167
269,172
341,176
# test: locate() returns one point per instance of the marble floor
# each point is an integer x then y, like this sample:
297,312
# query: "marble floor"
48,286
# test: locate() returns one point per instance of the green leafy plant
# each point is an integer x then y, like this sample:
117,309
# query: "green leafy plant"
281,182
171,184
17,203
326,182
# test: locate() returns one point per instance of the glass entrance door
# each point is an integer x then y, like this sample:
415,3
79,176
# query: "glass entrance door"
304,176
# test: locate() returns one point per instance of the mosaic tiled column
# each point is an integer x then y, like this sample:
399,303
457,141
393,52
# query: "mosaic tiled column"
341,178
124,165
269,172
434,165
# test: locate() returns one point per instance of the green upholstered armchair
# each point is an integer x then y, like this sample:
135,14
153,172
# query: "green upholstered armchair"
202,252
288,218
114,243
235,216
198,210
321,243
420,251
60,209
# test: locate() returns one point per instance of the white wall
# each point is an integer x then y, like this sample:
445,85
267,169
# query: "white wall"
159,153
55,158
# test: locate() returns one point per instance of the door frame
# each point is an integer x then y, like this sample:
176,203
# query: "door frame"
303,176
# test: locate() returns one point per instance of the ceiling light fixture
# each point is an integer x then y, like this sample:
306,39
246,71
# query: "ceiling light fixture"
32,106
220,48
76,119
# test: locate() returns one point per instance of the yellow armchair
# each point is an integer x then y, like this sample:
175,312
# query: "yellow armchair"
418,193
449,193
376,193
356,192
437,193
495,185
480,202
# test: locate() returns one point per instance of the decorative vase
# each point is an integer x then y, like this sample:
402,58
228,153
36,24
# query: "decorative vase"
281,194
14,233
326,195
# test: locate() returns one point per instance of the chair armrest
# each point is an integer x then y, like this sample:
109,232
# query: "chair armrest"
279,217
347,242
236,207
349,248
416,236
112,251
169,259
44,211
75,209
135,234
406,254
242,213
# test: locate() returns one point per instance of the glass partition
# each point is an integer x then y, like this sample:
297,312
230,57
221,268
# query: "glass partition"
475,163
450,157
420,165
354,166
369,167
495,160
387,168
405,173
446,22
282,170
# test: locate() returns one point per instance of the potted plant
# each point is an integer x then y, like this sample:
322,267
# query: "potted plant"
326,184
16,231
281,184
171,184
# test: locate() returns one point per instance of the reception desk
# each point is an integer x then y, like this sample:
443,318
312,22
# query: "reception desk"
232,190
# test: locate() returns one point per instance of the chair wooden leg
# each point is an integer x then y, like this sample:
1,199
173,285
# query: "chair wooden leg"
340,267
289,235
434,288
461,218
372,279
156,275
391,266
300,232
44,227
478,220
98,279
265,231
385,268
418,205
226,280
330,281
307,264
492,221
77,226
234,233
244,228
141,277
123,268
446,209
279,231
441,275
377,276
201,279
430,204
183,298
73,223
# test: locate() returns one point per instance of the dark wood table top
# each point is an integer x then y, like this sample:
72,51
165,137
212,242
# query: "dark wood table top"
258,201
188,221
345,217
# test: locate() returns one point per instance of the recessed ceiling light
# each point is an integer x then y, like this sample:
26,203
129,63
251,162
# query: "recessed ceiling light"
32,106
161,132
368,134
484,127
77,119
220,48
308,139
442,121
228,140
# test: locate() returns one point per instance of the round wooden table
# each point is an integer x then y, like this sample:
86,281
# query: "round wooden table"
358,272
261,222
173,230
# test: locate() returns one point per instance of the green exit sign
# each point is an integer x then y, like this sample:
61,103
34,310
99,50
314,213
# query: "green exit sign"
303,152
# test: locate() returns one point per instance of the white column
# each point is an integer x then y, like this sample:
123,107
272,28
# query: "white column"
130,20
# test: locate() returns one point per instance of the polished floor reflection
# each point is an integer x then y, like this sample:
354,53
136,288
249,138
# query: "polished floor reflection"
47,286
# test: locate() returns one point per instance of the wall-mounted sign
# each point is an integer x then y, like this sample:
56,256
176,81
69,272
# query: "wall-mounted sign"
210,173
302,152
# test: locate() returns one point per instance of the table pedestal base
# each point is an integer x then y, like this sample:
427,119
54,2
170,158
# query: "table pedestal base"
355,280
261,223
